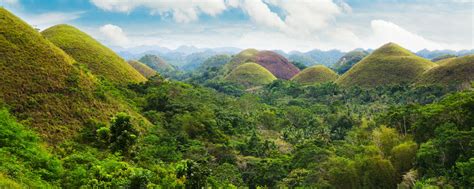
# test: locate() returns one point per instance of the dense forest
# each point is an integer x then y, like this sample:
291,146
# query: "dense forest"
72,124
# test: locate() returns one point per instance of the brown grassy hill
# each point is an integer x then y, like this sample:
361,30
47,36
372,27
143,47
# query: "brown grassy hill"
142,68
314,75
273,62
100,60
388,65
458,72
41,84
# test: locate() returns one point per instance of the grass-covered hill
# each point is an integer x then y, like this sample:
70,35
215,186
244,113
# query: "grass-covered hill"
250,75
142,68
458,72
100,60
388,65
156,63
42,84
278,65
348,60
315,74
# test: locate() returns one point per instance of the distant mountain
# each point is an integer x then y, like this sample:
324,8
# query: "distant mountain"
184,57
313,57
437,53
348,60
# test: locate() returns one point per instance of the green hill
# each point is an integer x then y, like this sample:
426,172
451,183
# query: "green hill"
388,65
41,84
247,55
100,60
156,63
348,60
142,68
250,75
457,72
315,74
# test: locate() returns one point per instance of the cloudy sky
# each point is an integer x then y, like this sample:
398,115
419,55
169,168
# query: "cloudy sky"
263,24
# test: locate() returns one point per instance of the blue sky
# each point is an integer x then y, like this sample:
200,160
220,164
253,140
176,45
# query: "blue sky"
263,24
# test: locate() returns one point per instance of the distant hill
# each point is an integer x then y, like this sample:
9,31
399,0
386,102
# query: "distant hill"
250,75
278,65
457,72
348,60
142,68
100,60
388,65
45,86
443,58
316,56
156,63
314,75
437,53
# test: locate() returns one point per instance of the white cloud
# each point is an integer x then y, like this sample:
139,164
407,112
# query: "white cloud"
10,2
49,19
114,35
181,10
261,14
384,31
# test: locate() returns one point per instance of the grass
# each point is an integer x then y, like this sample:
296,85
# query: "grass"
250,75
314,75
247,55
100,60
388,65
45,87
156,63
458,72
142,68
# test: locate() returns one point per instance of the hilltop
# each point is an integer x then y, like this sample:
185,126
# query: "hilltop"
348,60
156,63
100,60
458,72
142,68
278,65
43,85
315,74
388,65
250,75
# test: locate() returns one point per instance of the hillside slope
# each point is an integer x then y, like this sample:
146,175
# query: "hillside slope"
315,74
348,60
458,72
142,68
100,60
40,83
388,65
250,75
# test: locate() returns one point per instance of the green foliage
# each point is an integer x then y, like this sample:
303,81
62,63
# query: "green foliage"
348,60
123,134
24,162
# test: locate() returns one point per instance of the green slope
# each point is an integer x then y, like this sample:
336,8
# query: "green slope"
250,75
388,65
315,74
100,60
40,83
142,68
247,55
457,72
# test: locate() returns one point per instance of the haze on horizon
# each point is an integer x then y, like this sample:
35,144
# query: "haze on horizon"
263,24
